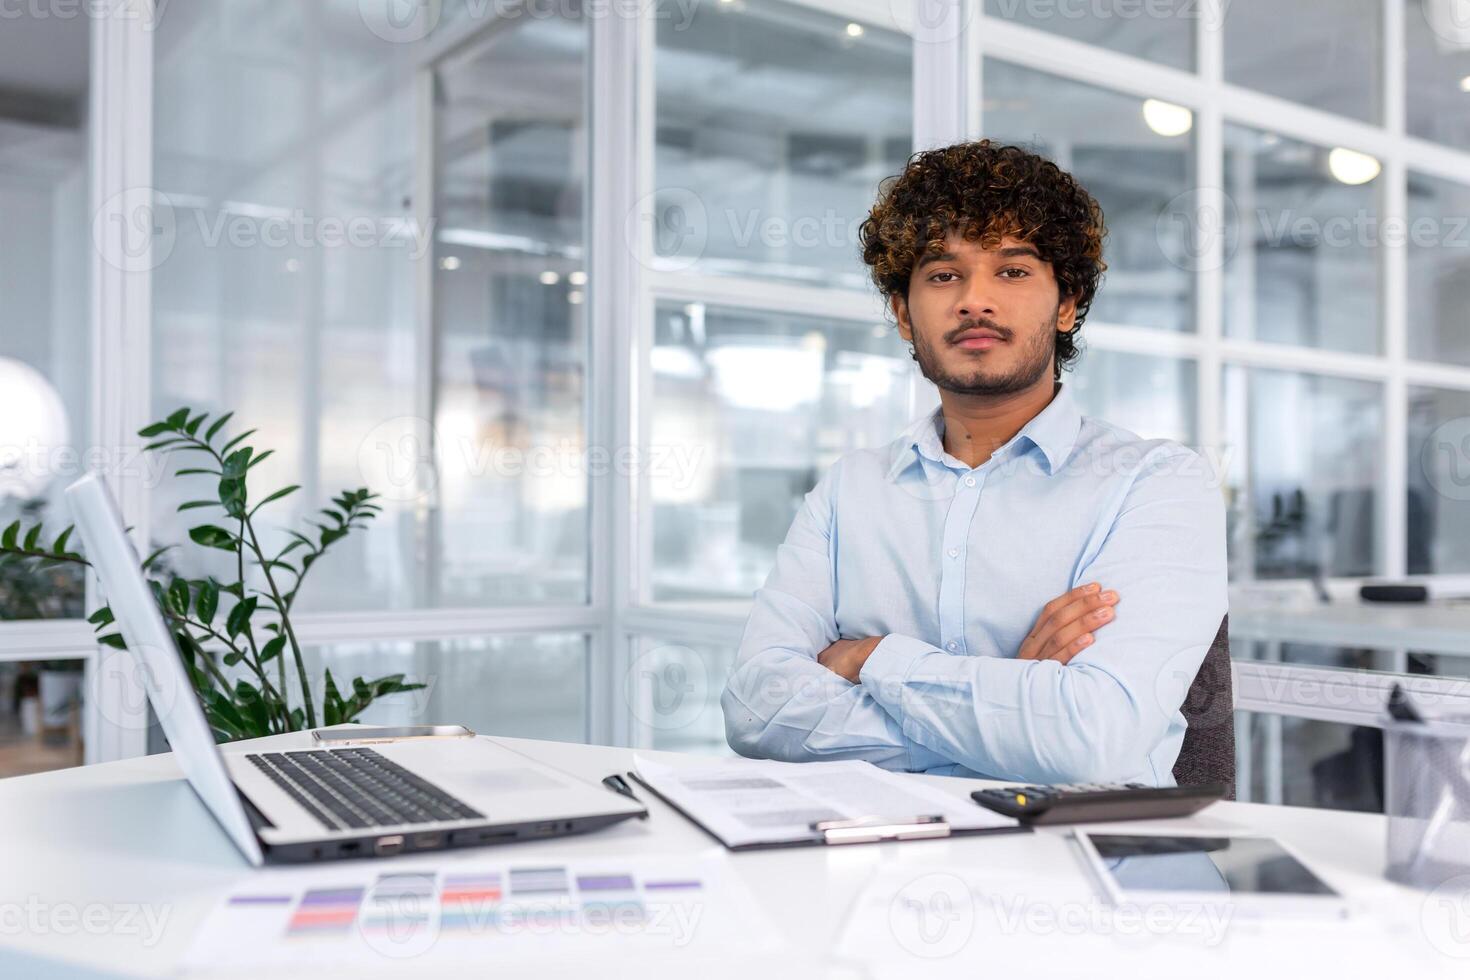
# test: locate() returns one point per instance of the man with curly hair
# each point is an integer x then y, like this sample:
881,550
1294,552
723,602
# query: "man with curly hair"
1010,589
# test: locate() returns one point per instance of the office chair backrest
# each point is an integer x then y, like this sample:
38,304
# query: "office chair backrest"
1208,752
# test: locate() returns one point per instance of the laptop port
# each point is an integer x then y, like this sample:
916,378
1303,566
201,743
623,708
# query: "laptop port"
349,847
424,842
388,845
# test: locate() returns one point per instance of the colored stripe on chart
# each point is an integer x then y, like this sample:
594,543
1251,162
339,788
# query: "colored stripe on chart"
603,883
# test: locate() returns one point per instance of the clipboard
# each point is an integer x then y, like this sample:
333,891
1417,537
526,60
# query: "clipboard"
860,830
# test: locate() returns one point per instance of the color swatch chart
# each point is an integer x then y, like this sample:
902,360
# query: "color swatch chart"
387,912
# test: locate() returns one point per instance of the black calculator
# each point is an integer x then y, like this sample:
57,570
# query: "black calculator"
1085,802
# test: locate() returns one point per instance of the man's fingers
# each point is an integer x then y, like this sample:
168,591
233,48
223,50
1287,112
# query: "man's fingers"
1046,619
1081,608
1072,649
1071,614
1063,640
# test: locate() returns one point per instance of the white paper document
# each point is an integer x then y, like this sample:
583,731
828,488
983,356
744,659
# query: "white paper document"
755,801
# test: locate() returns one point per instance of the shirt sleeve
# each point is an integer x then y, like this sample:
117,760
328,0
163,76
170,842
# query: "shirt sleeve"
1099,717
779,703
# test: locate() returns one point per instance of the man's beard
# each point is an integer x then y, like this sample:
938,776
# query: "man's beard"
1036,360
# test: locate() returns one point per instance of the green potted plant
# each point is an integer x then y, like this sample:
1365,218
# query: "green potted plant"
235,639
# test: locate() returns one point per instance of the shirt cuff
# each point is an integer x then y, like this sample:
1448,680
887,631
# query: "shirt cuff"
888,666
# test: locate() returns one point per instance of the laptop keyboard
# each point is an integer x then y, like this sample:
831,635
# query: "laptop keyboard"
351,788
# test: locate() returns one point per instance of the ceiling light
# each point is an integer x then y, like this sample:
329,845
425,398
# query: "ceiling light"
449,263
1166,118
1465,84
854,30
574,296
578,278
1352,167
550,278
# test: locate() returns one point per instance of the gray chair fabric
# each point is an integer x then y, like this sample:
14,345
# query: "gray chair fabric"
1208,752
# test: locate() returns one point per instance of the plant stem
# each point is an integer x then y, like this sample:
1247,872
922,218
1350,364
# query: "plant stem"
210,632
285,624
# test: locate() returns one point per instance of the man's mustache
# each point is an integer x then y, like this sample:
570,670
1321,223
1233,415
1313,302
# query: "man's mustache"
981,324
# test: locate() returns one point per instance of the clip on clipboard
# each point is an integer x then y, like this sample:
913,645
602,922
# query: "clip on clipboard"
868,829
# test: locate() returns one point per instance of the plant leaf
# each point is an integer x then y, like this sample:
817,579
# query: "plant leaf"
272,648
239,619
7,540
192,426
232,496
283,492
261,457
235,441
58,547
32,536
178,419
212,536
113,640
101,617
219,423
148,562
156,429
207,604
193,504
178,596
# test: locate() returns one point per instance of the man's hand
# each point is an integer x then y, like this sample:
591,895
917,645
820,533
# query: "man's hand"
845,658
1066,624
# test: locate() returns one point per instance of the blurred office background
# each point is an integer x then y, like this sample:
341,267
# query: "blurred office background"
604,322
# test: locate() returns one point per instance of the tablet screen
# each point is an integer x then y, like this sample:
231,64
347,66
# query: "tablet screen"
1224,865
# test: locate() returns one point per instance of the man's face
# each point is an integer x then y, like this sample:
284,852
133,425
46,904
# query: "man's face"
983,321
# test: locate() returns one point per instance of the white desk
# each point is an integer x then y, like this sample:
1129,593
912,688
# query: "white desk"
131,833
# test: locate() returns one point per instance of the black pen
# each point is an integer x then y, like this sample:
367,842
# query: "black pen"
618,784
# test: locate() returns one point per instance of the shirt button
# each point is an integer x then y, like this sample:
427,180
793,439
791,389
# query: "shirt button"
969,481
952,645
954,552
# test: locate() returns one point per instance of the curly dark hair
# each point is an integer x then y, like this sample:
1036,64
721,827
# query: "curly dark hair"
986,191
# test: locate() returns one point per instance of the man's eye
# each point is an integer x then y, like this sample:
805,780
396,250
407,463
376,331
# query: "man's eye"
1018,273
937,275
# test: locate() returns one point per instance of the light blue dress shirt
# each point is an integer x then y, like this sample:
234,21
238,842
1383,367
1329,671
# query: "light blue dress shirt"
951,565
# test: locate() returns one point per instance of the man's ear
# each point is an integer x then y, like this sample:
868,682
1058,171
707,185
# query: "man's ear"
900,307
1067,314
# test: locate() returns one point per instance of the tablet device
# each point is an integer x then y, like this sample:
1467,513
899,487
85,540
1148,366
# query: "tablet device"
1249,873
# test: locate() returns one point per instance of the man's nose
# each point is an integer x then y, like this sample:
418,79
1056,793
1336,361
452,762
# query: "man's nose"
976,302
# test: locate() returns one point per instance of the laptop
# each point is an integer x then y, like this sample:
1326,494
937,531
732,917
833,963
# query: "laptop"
291,806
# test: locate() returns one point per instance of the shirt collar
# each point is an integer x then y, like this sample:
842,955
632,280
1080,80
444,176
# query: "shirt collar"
1054,431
